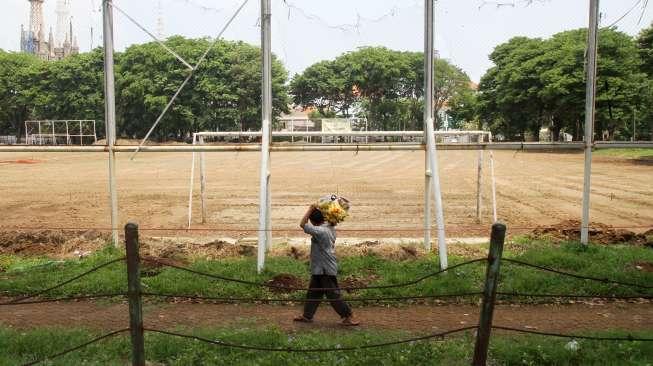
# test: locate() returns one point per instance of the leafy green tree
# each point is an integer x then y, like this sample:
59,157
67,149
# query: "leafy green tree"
537,83
15,106
71,88
508,100
386,86
645,46
224,93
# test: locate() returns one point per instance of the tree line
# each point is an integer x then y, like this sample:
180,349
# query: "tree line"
223,94
541,83
534,83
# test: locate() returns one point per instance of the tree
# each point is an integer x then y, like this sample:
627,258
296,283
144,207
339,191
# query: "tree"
71,88
645,46
386,85
537,83
224,93
507,99
15,107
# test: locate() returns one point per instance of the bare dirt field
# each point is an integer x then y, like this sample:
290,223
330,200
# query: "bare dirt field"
67,190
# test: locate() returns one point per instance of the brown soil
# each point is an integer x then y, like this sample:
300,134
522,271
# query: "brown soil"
598,233
386,190
644,266
573,318
285,280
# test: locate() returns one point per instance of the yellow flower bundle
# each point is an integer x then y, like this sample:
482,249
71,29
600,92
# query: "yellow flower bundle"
333,208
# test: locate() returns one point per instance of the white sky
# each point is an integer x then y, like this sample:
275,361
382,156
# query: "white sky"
466,32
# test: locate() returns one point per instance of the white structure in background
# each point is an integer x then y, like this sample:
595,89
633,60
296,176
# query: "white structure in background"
63,20
61,132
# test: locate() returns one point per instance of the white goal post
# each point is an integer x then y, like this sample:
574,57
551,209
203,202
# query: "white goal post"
60,132
450,137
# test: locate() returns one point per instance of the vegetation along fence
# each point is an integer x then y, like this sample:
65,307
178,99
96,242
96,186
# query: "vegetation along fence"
137,329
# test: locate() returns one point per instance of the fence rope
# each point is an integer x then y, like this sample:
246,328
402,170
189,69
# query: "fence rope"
94,269
550,334
69,298
291,288
609,297
264,300
547,269
62,353
311,350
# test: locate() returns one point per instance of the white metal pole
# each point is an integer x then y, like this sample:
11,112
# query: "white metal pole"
479,186
110,113
590,99
264,235
428,193
191,185
494,188
202,180
429,45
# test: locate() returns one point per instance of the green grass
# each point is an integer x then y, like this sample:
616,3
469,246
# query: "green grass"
626,153
24,276
24,346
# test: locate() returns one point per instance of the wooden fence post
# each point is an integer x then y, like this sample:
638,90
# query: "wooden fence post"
489,294
134,295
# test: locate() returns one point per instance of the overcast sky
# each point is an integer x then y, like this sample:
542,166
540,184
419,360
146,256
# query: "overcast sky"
306,31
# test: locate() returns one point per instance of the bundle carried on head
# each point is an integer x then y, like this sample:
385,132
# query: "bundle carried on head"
335,209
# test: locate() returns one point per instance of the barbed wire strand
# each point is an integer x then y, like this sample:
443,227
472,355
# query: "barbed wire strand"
547,269
94,269
264,300
625,14
291,288
609,297
573,336
69,298
62,353
440,335
244,229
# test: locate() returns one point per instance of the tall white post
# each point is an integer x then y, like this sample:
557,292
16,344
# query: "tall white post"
479,186
494,189
191,185
264,234
110,113
202,180
428,193
429,40
590,109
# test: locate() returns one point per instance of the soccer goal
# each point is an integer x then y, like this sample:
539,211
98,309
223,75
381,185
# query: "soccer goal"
60,132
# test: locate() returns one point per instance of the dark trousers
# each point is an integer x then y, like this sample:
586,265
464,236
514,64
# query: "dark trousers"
325,281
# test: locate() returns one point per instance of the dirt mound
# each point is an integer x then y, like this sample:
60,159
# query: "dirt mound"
285,280
53,243
599,233
360,282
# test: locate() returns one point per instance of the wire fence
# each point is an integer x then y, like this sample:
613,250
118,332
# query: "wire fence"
135,294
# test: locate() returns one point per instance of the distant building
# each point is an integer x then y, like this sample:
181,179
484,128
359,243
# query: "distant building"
33,41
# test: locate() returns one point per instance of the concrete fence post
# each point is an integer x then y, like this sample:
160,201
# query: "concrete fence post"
489,294
134,295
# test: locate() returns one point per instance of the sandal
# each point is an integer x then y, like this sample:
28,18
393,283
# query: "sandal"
303,319
349,322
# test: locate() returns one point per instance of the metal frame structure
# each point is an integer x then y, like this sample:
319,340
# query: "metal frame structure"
51,132
266,146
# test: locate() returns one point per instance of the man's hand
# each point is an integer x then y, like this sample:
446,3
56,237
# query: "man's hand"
308,213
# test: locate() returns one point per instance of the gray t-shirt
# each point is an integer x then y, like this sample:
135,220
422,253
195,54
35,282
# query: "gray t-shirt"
323,251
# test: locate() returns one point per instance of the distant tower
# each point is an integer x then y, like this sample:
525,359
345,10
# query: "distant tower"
160,32
63,19
35,17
